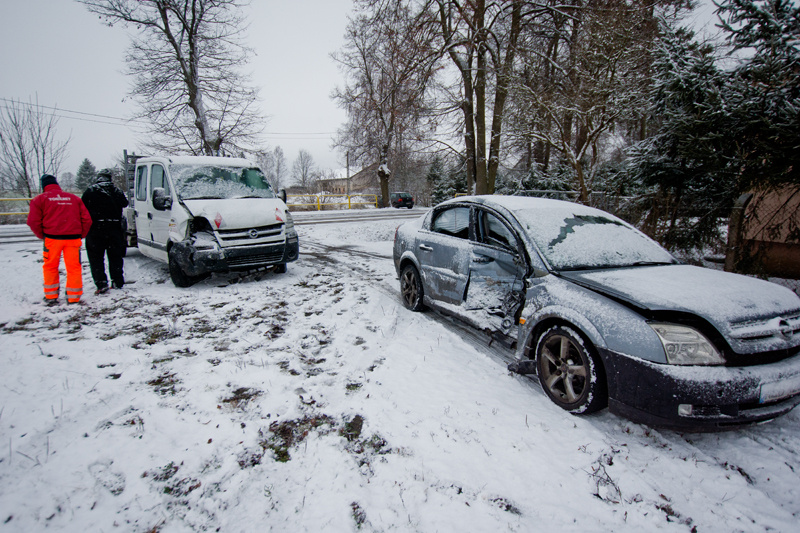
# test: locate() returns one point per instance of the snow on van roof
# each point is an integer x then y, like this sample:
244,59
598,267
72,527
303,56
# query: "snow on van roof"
205,160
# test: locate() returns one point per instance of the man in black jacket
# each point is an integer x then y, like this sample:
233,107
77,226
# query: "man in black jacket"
105,202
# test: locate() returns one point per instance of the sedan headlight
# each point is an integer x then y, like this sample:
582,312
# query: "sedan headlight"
686,346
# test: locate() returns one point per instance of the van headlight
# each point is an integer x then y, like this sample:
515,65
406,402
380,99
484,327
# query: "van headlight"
686,346
289,224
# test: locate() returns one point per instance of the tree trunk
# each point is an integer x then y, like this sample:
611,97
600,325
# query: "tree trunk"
501,93
481,185
384,174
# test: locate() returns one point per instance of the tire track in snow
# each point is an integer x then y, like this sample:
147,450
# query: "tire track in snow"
328,254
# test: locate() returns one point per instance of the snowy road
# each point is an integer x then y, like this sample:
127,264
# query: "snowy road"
313,401
16,233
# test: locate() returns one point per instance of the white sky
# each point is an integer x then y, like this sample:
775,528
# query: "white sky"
58,52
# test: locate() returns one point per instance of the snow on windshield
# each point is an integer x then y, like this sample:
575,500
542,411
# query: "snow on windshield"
203,181
578,237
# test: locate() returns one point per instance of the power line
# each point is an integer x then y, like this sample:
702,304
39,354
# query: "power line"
300,133
294,135
30,104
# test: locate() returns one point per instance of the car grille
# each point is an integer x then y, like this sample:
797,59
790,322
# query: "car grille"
253,261
251,236
780,326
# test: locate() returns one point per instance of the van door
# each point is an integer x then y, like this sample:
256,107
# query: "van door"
142,208
159,219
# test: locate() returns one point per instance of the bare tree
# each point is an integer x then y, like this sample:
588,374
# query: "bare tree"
185,65
304,170
273,164
28,145
279,166
388,59
480,38
585,71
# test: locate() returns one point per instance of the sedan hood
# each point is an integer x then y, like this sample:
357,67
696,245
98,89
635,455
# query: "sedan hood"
740,307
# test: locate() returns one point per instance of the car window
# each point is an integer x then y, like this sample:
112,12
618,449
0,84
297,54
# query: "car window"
454,222
494,232
141,183
158,179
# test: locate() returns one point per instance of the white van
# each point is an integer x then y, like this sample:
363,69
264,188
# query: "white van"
204,214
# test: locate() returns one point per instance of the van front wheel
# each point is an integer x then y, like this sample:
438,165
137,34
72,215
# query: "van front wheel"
176,273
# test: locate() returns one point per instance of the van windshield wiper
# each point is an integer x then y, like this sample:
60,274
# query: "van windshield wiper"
204,198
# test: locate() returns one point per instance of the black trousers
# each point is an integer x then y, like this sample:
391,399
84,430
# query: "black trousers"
106,238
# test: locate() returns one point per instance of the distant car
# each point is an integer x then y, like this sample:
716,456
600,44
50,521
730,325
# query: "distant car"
604,315
401,199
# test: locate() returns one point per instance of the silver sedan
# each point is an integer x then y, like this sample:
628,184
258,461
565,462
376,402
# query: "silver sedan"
603,315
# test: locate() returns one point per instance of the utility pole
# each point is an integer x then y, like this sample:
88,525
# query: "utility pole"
347,157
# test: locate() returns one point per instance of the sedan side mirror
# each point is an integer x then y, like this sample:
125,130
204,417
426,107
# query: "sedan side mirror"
161,201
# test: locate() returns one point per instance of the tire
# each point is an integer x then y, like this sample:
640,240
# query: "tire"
280,268
570,373
411,291
176,273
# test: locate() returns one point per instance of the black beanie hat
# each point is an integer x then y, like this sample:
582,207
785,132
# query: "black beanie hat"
47,179
104,176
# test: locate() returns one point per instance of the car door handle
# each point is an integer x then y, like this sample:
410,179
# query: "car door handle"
481,259
425,248
150,216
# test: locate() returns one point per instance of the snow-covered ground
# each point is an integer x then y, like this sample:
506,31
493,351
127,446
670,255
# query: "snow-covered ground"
313,401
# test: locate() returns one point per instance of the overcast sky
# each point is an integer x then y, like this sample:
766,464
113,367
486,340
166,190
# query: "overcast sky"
59,53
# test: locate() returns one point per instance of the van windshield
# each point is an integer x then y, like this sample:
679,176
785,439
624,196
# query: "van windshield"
194,182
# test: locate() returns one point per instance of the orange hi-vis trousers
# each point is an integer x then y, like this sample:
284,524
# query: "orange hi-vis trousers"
71,249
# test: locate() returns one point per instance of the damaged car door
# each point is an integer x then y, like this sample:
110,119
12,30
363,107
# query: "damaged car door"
497,270
444,253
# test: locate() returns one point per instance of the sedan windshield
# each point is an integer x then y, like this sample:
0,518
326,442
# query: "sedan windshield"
194,182
580,238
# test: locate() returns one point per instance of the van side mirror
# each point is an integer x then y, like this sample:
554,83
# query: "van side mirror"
161,201
282,195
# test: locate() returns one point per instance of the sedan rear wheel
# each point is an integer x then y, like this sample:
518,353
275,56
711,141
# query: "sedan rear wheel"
570,374
411,288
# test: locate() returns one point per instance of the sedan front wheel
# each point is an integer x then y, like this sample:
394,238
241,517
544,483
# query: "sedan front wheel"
570,374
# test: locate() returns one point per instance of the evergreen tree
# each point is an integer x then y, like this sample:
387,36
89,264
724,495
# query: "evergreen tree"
764,117
684,160
721,133
86,176
436,178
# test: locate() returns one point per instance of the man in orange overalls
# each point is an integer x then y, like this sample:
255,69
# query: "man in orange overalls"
61,220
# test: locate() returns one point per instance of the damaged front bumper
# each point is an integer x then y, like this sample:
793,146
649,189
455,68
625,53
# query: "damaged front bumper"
700,398
195,261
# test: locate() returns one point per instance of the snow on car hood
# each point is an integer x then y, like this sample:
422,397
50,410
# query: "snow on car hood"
238,213
723,298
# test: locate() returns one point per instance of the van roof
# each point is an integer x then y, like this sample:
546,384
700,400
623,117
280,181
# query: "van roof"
205,160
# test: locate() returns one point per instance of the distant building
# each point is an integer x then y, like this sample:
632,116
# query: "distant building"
363,182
